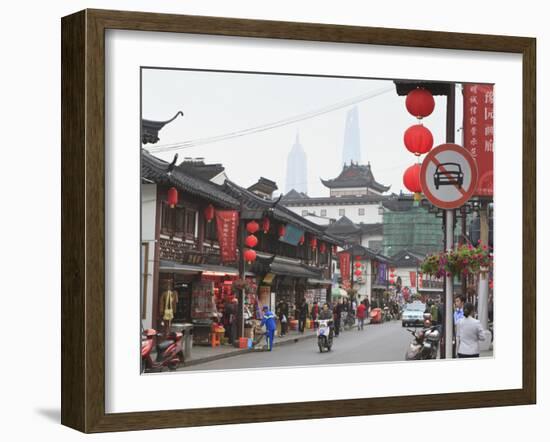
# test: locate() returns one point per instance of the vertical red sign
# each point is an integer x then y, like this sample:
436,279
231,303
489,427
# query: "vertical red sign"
478,133
344,266
227,223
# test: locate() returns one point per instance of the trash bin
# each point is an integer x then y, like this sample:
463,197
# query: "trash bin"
187,331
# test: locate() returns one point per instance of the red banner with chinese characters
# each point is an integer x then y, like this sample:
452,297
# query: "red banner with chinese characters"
478,133
344,266
227,222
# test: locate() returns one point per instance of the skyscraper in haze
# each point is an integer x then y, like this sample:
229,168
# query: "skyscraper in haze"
351,150
296,168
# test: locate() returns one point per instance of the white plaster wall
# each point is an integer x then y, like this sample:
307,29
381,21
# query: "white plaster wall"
333,211
148,209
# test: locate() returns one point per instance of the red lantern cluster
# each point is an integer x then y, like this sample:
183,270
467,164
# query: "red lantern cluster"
209,213
172,199
420,102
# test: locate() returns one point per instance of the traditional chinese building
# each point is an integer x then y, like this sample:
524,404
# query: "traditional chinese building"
354,193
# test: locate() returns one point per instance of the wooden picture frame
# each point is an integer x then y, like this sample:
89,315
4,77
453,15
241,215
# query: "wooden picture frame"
83,219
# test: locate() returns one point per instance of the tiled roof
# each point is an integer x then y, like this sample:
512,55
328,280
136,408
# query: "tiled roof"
332,200
279,212
156,170
355,175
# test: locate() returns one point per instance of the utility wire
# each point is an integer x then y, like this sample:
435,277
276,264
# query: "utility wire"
284,122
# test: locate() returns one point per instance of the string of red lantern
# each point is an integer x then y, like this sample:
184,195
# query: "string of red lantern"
417,139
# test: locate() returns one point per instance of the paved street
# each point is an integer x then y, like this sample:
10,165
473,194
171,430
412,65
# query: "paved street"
376,343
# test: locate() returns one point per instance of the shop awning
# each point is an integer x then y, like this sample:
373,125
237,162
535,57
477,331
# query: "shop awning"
174,267
280,268
219,270
319,281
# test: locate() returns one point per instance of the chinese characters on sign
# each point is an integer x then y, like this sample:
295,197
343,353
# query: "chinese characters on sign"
344,266
227,222
478,133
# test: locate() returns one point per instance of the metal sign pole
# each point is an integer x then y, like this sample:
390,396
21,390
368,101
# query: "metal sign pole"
449,317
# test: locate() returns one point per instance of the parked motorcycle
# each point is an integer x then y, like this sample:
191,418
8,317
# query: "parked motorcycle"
348,320
169,352
324,334
425,344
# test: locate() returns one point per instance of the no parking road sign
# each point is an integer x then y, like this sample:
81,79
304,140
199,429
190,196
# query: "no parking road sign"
448,176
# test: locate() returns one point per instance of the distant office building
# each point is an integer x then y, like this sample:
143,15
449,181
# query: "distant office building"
351,151
296,168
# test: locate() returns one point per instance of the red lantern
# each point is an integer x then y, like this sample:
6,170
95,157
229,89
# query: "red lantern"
357,264
302,240
209,213
323,247
250,256
172,197
358,272
251,241
313,243
266,224
282,230
252,227
392,275
420,102
392,281
411,180
418,139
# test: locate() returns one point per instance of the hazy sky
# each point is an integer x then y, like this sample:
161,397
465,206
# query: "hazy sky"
216,103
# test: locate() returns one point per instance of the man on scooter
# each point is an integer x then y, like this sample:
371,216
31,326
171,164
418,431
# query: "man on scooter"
270,326
326,313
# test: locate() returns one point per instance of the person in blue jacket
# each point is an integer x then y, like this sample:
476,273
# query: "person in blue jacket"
270,326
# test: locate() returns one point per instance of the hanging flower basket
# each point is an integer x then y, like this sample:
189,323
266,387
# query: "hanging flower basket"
465,260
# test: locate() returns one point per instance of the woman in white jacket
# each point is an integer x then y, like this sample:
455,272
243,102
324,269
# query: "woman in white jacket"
469,332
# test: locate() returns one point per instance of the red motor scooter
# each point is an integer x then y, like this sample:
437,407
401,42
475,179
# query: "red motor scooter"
169,352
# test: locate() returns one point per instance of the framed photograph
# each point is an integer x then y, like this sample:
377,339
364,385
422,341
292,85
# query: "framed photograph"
267,221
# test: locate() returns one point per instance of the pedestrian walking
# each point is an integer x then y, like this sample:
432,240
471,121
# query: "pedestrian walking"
282,313
338,317
302,316
315,310
270,326
469,333
459,308
361,313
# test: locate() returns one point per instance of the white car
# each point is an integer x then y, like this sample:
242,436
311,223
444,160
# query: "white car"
413,314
